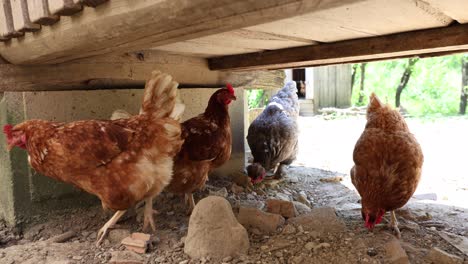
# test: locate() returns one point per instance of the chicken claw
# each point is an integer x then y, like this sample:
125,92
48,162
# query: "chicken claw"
103,231
279,173
394,224
148,219
190,202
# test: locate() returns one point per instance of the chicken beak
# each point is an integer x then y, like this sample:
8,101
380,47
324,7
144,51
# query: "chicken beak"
233,97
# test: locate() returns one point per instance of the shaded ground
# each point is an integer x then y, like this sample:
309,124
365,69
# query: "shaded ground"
329,146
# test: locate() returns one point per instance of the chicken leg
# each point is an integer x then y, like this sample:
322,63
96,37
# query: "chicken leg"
148,219
279,173
103,231
190,202
394,224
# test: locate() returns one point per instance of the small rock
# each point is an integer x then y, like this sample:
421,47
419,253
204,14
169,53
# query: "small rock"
282,196
250,196
252,204
254,218
300,229
137,242
126,257
284,208
292,179
301,208
395,253
288,230
264,248
211,219
236,188
321,245
117,235
332,179
314,221
221,192
309,246
184,261
372,252
436,255
77,257
298,259
227,259
302,198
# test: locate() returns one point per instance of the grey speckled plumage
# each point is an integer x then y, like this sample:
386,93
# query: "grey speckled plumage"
273,135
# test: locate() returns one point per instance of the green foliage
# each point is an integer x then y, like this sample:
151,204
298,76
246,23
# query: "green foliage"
256,98
433,88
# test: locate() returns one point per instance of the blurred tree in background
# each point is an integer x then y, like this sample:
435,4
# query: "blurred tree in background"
433,89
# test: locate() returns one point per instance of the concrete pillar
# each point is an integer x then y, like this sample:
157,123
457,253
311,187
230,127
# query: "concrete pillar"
24,193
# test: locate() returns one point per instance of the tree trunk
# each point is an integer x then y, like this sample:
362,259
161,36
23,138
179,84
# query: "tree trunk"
464,88
363,76
404,79
353,76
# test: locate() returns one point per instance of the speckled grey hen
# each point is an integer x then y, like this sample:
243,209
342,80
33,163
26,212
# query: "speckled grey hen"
273,135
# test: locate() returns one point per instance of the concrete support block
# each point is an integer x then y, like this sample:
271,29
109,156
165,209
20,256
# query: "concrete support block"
24,193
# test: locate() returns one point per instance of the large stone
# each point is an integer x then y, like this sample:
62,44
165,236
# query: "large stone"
214,231
395,253
263,221
284,208
322,220
436,255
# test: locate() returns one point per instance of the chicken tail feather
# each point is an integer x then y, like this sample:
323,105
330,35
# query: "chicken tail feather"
374,103
120,114
160,97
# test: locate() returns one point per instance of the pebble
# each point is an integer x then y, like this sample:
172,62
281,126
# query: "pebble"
264,248
227,259
372,252
289,229
300,229
310,246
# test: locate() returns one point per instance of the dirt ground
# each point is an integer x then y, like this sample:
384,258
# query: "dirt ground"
440,205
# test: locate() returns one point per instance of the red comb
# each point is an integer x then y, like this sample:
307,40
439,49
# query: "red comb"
229,87
7,130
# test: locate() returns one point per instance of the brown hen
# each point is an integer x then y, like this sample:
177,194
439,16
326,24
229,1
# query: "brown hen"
388,162
207,146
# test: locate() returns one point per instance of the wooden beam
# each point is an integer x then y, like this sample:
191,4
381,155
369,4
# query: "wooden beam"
128,70
431,42
113,71
39,12
122,25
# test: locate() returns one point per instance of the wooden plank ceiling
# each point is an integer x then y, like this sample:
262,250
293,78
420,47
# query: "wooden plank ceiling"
243,34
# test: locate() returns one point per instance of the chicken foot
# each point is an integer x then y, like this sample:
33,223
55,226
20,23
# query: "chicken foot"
279,173
103,231
190,202
148,219
394,224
